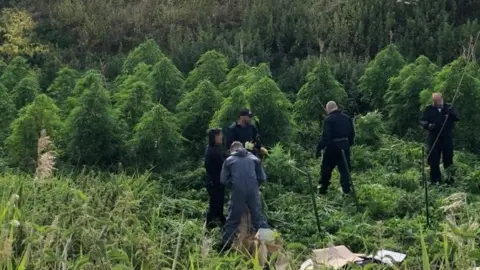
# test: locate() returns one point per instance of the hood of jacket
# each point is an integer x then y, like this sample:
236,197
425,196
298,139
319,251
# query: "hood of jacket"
242,152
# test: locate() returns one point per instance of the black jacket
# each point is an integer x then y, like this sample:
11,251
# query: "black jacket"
248,133
336,126
214,158
431,115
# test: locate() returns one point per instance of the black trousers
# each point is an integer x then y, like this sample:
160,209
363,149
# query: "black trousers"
333,158
444,149
215,205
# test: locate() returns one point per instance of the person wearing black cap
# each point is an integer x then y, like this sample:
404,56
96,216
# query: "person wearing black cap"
246,133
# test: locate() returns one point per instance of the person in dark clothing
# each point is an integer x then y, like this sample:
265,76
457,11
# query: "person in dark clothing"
434,117
214,158
338,134
243,173
246,133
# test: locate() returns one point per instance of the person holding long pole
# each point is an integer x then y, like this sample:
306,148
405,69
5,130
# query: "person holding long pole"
438,119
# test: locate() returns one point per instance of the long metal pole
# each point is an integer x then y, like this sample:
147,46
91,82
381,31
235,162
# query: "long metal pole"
350,180
425,187
309,176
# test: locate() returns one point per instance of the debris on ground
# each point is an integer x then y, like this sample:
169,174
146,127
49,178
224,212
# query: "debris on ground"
264,241
337,257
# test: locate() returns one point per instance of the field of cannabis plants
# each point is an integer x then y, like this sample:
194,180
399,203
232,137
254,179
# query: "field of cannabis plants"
102,132
114,221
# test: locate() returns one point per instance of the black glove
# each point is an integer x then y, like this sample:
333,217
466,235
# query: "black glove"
431,126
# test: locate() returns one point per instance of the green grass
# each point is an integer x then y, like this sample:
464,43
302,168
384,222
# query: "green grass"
106,221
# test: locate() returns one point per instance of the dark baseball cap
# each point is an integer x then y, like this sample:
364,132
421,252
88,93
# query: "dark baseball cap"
245,112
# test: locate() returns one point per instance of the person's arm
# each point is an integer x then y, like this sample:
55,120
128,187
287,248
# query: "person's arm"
326,136
230,137
256,138
425,121
351,138
225,175
453,113
260,172
208,160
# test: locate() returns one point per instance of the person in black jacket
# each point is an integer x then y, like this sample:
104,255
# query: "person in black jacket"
246,133
434,117
214,158
338,134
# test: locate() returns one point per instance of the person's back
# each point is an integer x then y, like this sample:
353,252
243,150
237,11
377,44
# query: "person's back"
243,172
337,137
341,126
243,169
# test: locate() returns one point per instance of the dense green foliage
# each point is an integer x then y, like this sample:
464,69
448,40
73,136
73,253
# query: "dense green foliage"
41,114
124,87
402,96
92,130
195,111
374,82
157,141
167,83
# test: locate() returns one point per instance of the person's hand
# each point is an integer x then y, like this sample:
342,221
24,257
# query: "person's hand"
264,151
249,145
431,126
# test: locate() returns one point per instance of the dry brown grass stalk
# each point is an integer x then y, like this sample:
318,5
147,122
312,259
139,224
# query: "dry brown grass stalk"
45,157
247,243
6,251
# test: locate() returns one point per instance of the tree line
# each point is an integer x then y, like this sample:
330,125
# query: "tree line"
284,33
151,116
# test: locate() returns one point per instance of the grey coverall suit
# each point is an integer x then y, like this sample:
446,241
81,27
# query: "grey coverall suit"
243,172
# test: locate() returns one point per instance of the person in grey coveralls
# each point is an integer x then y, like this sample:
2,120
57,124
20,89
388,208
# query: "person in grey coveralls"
243,173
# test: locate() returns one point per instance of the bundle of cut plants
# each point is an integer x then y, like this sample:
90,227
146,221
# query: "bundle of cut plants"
253,245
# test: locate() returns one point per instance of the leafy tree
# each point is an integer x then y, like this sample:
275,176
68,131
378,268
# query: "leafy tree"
320,88
228,112
256,74
157,141
252,76
467,100
63,85
374,82
271,107
167,83
8,113
196,109
92,129
368,129
26,91
3,66
147,52
293,75
140,73
16,70
132,101
403,95
16,28
211,66
90,79
348,70
234,78
22,143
